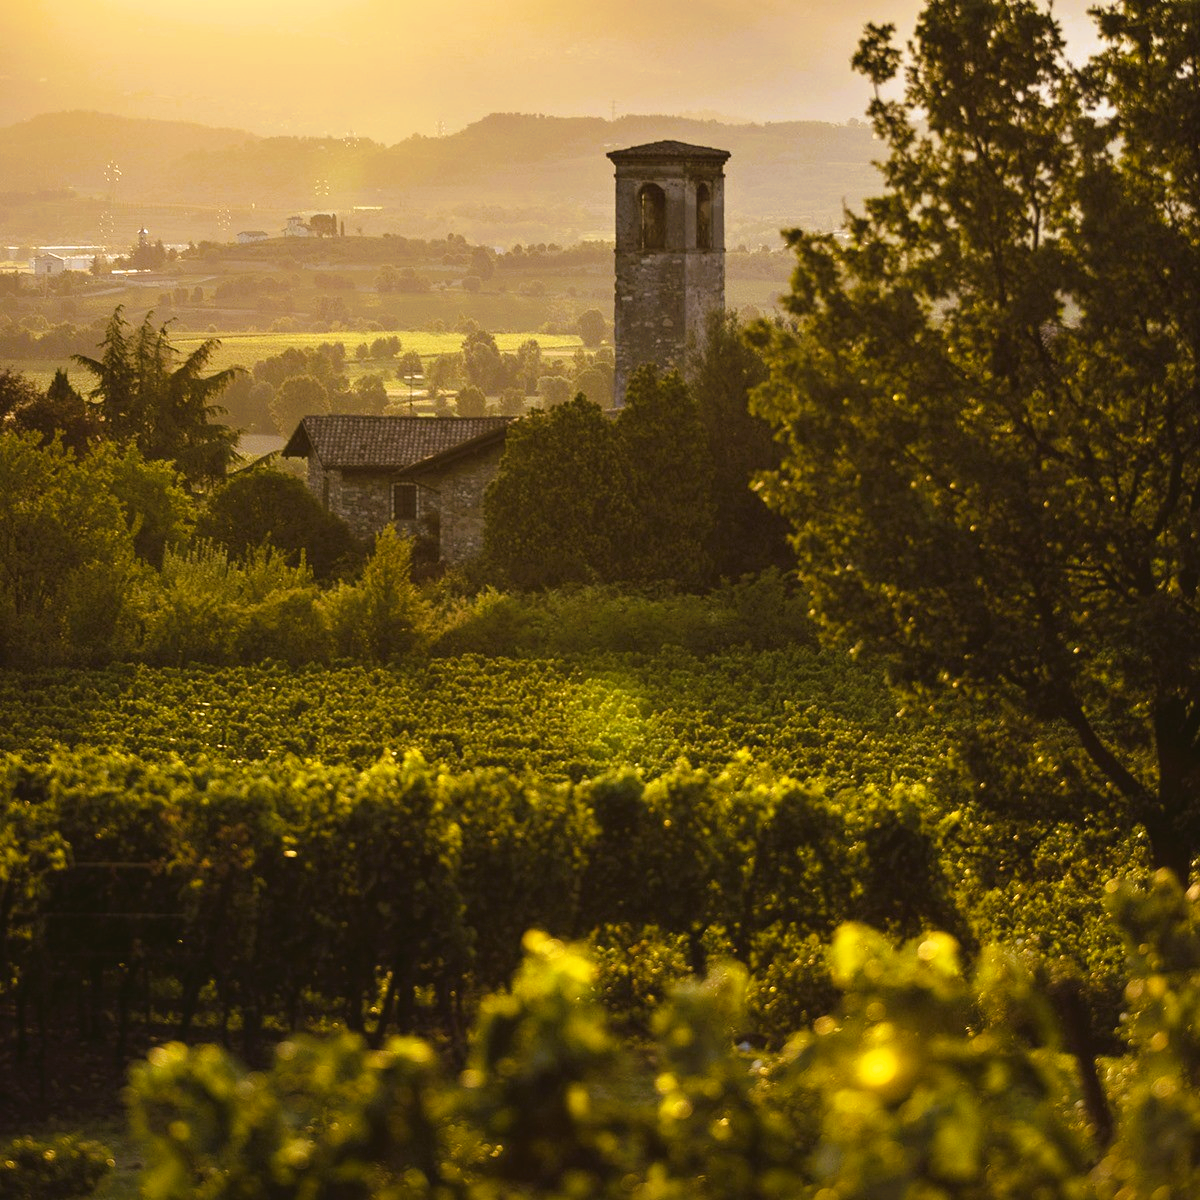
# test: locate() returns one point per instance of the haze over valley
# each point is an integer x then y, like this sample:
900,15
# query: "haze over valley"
90,178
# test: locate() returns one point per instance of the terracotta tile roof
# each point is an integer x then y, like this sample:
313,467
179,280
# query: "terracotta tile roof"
385,442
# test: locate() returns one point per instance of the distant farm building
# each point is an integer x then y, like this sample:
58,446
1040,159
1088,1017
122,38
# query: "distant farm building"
49,264
252,235
425,475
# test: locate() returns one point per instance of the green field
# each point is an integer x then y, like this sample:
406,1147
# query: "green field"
245,349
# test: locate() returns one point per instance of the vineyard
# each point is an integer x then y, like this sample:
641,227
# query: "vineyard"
802,712
234,853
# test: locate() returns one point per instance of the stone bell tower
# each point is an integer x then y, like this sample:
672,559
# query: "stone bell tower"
670,260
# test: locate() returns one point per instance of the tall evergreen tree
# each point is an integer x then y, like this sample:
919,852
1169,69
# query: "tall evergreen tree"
166,408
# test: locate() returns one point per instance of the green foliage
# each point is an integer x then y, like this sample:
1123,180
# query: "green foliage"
369,394
1155,1150
382,617
987,395
790,986
165,409
67,558
60,410
556,512
158,512
925,1079
758,611
260,505
913,1097
297,397
666,495
667,478
470,402
60,1169
530,845
204,606
595,381
539,1054
636,970
407,861
329,1119
803,712
746,536
592,327
31,849
554,390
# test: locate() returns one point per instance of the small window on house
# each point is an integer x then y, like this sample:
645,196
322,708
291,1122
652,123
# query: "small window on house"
652,213
703,217
404,501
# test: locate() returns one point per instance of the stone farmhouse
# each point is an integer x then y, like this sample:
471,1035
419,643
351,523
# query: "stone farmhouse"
425,475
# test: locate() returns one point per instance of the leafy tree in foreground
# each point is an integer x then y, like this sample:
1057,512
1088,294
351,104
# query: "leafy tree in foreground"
989,395
164,407
158,511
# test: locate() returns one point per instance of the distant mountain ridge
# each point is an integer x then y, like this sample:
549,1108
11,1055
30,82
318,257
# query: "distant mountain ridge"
73,149
780,173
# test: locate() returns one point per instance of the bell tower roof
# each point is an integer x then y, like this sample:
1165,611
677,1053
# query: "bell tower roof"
666,151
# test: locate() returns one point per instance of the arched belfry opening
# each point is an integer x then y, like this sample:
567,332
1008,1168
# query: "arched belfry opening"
670,253
652,214
703,217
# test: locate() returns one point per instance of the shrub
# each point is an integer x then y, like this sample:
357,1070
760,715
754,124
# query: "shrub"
790,984
383,616
287,625
206,607
636,969
262,505
52,1170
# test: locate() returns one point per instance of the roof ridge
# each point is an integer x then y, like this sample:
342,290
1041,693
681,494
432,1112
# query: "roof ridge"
384,442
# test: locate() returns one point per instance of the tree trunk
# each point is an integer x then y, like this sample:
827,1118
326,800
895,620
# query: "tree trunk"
1171,847
1174,824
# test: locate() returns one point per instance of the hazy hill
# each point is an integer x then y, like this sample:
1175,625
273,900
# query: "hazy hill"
507,177
73,149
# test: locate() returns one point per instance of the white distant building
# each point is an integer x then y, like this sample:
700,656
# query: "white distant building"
252,235
49,264
296,227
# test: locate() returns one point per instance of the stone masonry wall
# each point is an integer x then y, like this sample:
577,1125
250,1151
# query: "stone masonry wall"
458,488
651,313
363,499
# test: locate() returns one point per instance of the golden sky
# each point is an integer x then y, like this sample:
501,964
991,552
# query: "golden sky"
385,69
